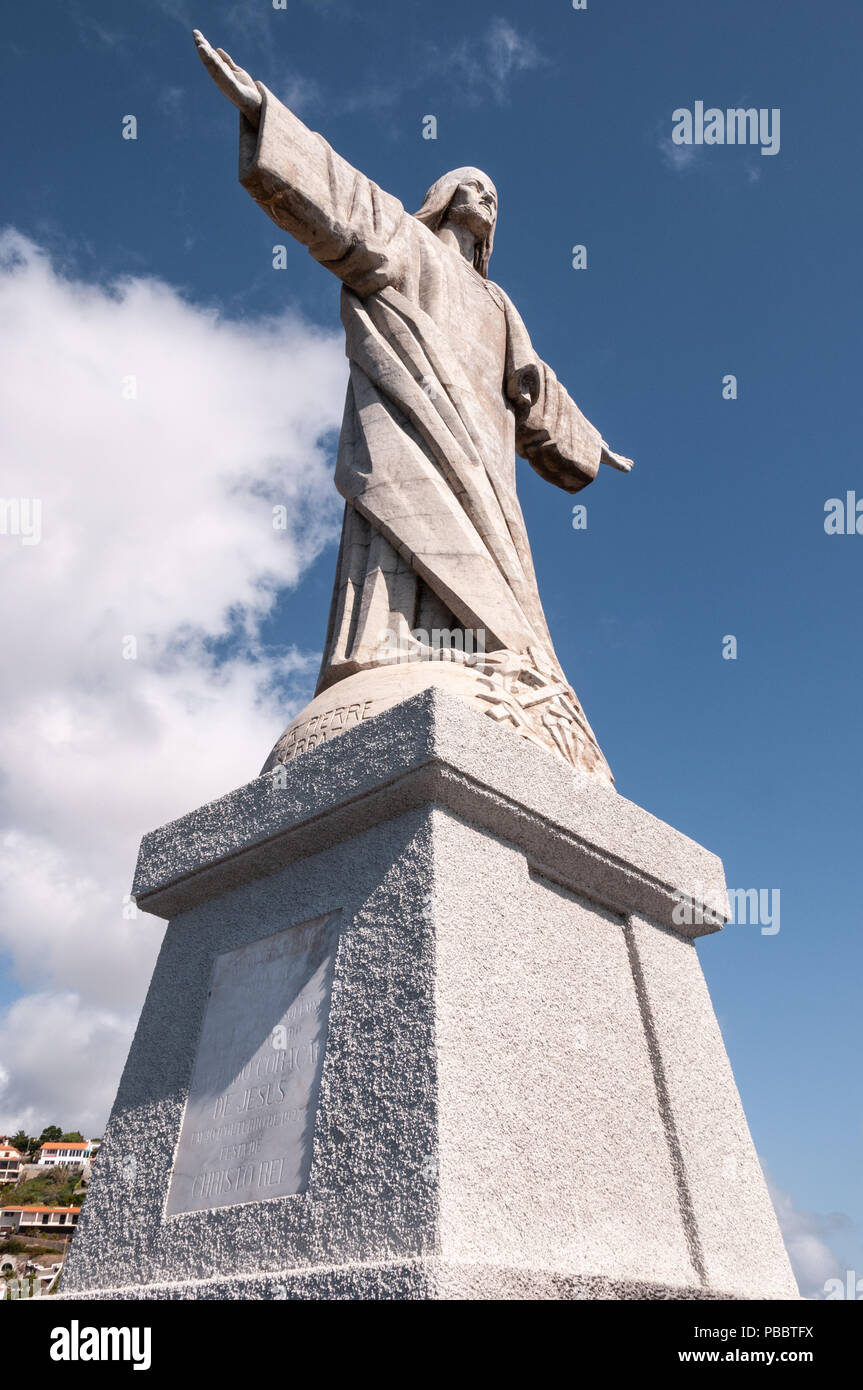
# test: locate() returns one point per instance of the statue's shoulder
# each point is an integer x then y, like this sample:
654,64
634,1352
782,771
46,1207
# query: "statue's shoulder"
500,297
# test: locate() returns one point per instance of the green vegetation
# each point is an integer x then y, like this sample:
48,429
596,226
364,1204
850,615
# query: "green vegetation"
29,1144
16,1245
53,1188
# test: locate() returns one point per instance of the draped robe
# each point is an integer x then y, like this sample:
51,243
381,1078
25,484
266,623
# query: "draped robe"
444,388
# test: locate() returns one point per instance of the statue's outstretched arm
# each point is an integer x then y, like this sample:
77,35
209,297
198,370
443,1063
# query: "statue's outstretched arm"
550,430
553,435
345,221
233,81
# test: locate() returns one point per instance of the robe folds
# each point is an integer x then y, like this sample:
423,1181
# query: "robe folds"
444,389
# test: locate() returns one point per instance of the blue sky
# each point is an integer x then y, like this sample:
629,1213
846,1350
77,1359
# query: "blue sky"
725,262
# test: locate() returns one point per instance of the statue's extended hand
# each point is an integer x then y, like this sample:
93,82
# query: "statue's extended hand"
236,83
616,460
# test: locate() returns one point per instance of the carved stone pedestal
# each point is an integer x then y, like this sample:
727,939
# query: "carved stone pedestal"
423,1026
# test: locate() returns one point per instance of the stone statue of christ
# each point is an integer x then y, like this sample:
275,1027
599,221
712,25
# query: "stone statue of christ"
445,388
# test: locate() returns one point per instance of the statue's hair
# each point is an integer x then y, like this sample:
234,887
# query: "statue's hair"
437,201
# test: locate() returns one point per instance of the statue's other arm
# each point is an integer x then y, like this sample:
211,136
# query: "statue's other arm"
347,223
550,430
557,440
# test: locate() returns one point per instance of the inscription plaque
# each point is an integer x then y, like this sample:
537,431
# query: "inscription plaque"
322,726
249,1121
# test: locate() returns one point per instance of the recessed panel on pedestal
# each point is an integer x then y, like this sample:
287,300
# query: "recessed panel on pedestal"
249,1122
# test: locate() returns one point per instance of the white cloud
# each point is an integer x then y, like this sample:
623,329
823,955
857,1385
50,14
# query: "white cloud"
476,68
508,51
298,91
171,101
156,524
486,64
62,1059
679,158
703,159
806,1235
90,28
676,157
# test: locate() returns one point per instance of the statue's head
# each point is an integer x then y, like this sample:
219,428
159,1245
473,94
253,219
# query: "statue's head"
469,197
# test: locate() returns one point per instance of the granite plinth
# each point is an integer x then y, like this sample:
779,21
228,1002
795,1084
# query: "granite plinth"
522,1090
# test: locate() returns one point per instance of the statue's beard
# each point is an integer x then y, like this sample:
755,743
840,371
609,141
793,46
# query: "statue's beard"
479,220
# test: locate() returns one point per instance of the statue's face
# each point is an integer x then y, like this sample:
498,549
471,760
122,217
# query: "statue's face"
474,205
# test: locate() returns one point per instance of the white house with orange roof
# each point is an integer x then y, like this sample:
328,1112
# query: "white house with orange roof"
67,1153
33,1220
10,1163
